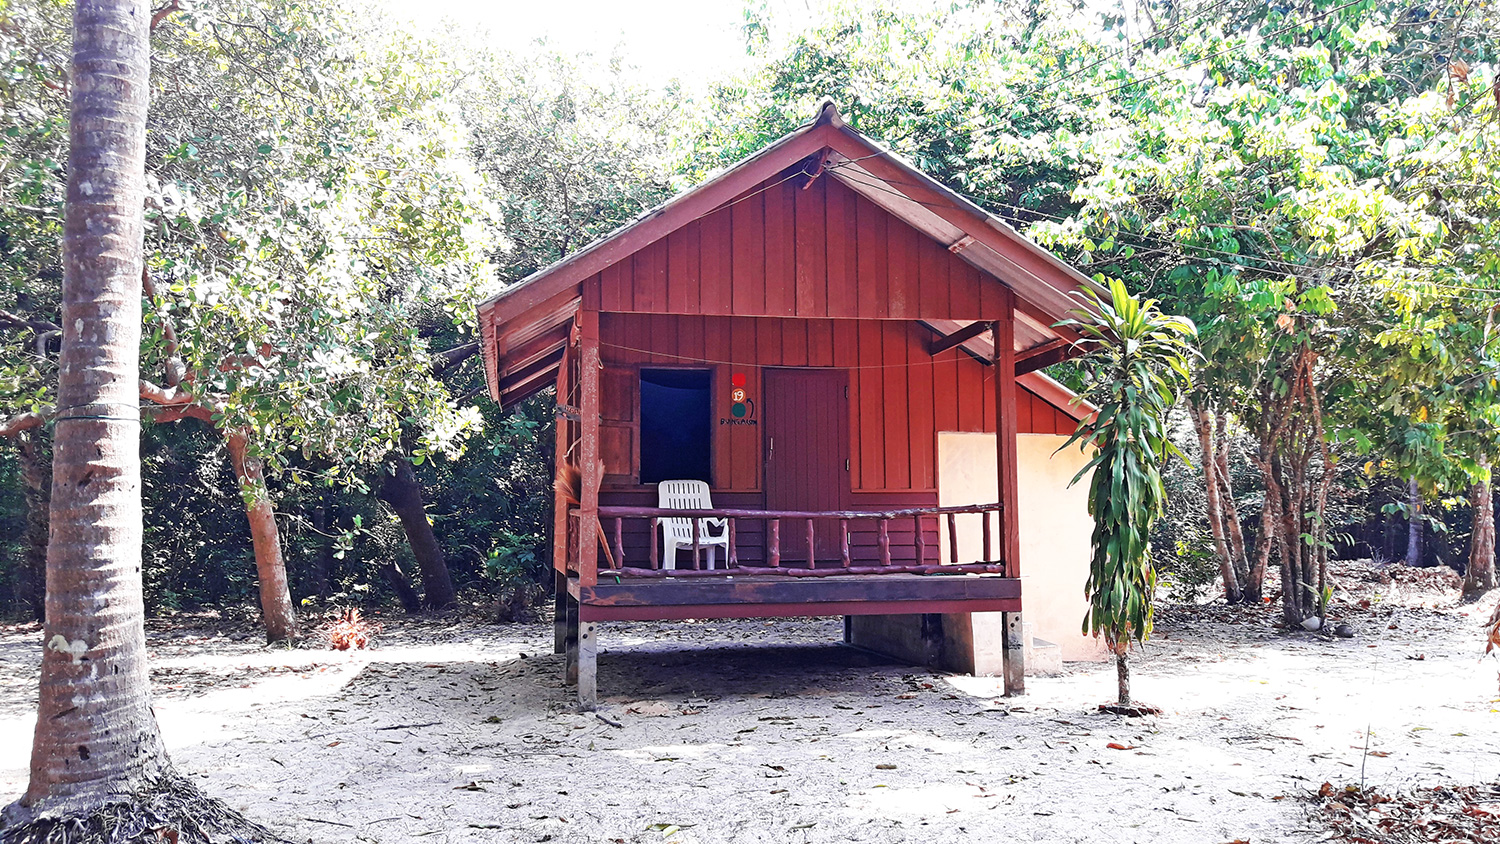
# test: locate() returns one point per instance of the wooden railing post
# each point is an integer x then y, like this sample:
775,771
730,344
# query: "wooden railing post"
619,560
844,555
655,549
775,543
984,519
697,544
952,538
885,541
916,522
812,548
734,559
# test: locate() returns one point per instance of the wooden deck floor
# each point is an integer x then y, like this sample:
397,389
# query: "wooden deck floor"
768,596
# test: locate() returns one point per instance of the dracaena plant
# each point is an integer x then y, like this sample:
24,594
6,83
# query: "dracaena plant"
1136,366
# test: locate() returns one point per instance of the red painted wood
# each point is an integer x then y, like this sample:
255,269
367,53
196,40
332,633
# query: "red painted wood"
842,252
871,415
898,459
898,243
807,428
715,263
591,612
922,443
1005,438
812,247
781,249
932,278
874,281
678,282
748,221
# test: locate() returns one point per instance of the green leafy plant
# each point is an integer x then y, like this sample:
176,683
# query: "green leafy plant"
1135,369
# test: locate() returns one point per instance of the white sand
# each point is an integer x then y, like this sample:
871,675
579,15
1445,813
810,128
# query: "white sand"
749,731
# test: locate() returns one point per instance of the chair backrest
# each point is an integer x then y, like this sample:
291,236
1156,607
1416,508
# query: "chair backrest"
682,495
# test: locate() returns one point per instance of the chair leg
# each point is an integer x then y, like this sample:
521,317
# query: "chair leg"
711,557
669,555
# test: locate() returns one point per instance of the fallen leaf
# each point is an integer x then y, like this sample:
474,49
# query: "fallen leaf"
1114,745
1380,754
884,766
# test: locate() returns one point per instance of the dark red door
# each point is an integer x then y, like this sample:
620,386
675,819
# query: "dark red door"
806,412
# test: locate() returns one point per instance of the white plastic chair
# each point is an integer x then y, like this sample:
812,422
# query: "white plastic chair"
678,533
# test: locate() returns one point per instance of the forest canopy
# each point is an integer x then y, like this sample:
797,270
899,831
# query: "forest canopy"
1313,185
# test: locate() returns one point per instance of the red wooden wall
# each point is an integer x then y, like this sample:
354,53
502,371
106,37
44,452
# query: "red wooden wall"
785,251
899,395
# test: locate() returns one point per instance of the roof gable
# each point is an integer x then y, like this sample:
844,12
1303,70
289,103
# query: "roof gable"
895,244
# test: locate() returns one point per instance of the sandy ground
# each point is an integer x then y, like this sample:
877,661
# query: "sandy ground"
756,731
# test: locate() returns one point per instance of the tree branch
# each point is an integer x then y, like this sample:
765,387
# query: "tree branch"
24,422
11,320
161,14
454,356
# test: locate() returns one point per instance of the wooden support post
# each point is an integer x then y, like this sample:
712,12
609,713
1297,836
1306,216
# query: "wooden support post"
570,640
1007,457
559,612
916,523
775,543
734,557
560,549
812,548
589,364
844,555
885,542
587,667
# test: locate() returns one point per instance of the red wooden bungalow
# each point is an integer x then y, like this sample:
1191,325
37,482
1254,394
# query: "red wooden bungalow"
796,331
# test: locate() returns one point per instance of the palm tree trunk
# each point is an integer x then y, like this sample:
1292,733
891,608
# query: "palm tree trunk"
276,610
96,737
1480,577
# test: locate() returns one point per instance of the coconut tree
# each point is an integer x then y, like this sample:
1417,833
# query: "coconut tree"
1135,368
98,760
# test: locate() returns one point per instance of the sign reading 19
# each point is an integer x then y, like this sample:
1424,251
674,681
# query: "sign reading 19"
742,405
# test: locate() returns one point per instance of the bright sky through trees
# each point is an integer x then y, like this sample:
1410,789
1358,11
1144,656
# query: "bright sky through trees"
686,39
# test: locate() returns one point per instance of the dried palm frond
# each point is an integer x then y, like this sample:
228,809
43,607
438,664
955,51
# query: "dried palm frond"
569,489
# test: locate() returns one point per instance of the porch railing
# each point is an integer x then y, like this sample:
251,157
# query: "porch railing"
613,518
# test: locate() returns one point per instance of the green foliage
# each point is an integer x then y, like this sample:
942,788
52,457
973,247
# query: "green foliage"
1137,362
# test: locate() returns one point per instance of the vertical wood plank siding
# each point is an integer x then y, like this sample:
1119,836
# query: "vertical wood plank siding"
899,395
820,252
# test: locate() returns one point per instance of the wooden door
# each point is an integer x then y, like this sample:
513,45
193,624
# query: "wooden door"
806,413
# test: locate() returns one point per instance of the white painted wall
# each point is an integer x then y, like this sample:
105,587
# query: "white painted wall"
1055,530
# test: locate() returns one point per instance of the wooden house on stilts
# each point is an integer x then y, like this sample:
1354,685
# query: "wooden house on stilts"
847,353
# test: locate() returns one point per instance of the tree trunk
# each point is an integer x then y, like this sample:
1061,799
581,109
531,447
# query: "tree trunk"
1242,566
31,575
276,610
322,558
96,737
1414,525
400,489
1480,577
1122,675
1204,424
401,585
